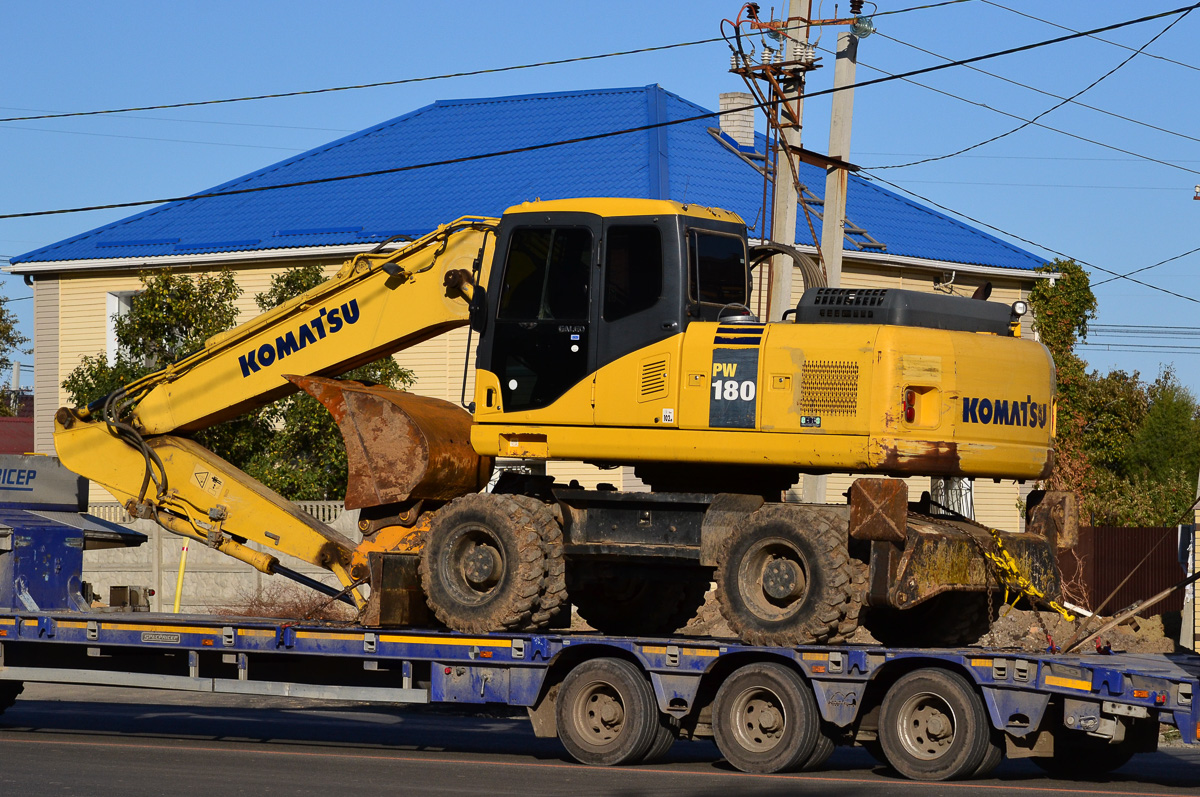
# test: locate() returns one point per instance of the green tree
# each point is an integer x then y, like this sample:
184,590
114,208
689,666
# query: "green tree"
305,459
1061,315
170,318
12,342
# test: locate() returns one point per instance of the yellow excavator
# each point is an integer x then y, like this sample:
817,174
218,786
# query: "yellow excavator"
617,332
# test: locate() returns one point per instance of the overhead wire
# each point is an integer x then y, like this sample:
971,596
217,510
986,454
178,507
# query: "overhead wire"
1147,268
597,136
377,84
1049,110
1072,100
1097,38
1067,133
982,223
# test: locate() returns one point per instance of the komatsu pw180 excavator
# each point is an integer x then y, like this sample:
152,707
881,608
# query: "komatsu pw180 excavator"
617,332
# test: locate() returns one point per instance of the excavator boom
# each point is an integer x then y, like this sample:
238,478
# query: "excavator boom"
376,305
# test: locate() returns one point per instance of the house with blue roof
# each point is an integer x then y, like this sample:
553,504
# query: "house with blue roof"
453,158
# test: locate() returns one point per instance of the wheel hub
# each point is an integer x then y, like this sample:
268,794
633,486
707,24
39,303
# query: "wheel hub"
760,720
480,566
926,726
783,579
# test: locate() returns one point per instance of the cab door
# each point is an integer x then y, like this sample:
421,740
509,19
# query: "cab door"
638,338
540,344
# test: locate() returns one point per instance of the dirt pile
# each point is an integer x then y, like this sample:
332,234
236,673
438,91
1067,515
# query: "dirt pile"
1021,630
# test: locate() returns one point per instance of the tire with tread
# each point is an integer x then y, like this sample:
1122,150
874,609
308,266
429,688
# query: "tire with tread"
487,525
933,726
820,754
765,719
664,740
806,545
553,597
636,600
607,714
1078,756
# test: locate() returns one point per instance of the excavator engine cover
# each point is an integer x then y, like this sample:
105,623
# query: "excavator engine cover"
400,446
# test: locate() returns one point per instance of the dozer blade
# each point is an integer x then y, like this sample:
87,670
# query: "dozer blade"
400,446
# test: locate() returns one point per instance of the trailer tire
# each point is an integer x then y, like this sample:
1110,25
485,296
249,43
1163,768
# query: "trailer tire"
606,713
9,691
821,753
765,719
784,577
1078,756
483,567
664,740
934,727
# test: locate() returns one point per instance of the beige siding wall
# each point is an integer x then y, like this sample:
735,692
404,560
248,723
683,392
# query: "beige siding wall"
46,374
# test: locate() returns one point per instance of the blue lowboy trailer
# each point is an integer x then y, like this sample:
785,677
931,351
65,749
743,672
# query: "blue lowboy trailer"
932,714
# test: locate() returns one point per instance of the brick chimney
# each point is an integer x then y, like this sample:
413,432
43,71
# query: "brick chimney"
738,125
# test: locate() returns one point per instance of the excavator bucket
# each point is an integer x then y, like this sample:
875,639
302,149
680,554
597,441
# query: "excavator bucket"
400,446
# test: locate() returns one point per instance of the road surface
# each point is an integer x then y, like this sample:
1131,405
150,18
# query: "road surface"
108,742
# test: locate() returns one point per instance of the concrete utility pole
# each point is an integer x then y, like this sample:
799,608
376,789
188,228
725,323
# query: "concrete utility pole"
834,221
783,211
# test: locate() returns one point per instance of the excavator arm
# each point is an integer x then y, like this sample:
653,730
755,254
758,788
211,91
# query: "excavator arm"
377,304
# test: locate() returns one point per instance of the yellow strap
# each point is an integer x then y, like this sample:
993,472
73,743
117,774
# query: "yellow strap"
1010,572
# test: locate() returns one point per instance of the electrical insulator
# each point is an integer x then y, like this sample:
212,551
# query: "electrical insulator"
734,62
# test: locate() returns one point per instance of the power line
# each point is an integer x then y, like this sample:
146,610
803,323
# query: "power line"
917,8
1147,268
1072,100
207,122
1049,110
597,136
981,223
1068,134
1097,38
378,84
148,138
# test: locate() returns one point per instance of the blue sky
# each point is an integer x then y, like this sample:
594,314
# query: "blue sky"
1116,210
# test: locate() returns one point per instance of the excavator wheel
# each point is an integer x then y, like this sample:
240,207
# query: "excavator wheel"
952,619
638,600
484,566
785,577
553,596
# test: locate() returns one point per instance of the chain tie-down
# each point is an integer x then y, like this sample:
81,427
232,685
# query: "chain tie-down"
1014,581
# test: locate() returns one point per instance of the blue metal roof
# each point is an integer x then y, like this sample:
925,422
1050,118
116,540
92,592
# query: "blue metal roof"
685,162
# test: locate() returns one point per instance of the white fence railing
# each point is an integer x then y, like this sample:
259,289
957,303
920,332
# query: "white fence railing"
324,511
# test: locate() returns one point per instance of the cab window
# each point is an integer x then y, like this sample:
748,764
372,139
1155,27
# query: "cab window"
546,275
633,270
716,273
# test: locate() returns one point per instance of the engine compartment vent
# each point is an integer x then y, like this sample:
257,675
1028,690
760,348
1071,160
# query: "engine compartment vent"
829,387
652,381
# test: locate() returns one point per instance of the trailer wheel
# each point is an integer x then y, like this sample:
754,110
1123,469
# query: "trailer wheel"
9,690
1078,756
637,600
607,714
664,740
784,577
821,753
765,719
933,726
484,565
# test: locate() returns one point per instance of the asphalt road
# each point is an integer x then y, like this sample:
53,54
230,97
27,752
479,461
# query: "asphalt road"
97,742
